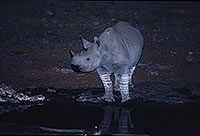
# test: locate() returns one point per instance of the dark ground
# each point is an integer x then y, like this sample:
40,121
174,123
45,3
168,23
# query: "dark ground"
35,37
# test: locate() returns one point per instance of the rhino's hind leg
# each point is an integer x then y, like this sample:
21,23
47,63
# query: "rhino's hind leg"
107,82
131,85
117,79
124,88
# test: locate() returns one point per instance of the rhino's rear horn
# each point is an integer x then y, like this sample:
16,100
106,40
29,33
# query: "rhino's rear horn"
72,54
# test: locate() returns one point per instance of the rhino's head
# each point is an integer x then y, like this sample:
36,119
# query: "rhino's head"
89,59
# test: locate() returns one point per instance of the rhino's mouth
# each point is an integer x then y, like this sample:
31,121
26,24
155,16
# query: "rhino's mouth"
86,69
76,68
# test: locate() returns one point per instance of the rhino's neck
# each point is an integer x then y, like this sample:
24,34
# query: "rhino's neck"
105,58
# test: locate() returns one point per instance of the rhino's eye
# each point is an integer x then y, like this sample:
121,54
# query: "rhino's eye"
88,59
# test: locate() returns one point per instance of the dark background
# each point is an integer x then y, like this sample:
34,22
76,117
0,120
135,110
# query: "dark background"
35,37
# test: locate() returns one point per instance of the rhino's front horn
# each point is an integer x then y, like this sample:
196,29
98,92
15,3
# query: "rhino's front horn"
72,53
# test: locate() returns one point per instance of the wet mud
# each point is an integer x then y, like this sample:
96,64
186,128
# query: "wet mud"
80,112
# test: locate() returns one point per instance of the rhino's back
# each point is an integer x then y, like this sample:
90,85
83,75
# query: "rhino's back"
123,42
131,39
129,35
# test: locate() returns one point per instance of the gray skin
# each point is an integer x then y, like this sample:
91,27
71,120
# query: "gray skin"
116,51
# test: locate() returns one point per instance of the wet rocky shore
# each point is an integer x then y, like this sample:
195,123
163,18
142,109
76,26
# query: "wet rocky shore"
171,94
80,112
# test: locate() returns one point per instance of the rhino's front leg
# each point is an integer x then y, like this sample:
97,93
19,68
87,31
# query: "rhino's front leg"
108,85
124,88
108,96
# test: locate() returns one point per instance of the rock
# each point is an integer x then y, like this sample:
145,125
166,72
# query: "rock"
21,97
24,97
172,52
2,92
73,96
44,19
189,58
142,65
6,90
66,13
190,52
164,67
10,95
2,100
50,13
153,69
156,73
96,22
28,60
113,19
51,90
88,97
35,98
45,41
64,70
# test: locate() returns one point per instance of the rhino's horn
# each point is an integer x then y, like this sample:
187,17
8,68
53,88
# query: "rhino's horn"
72,53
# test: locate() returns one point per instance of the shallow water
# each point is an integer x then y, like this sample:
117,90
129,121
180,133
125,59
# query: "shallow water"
156,110
65,116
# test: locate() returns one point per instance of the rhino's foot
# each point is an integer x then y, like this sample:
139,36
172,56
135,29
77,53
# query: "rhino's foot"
107,98
126,98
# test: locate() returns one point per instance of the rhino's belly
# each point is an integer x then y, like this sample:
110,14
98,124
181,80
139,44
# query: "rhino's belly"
128,57
135,56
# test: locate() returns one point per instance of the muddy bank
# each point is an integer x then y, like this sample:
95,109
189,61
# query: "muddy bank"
170,94
174,93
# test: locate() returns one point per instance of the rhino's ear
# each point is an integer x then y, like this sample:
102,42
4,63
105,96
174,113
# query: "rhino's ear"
96,40
86,44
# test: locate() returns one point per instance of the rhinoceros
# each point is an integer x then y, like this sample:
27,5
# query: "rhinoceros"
116,51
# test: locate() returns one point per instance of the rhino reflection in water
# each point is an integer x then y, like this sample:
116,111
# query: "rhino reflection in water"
116,119
116,51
